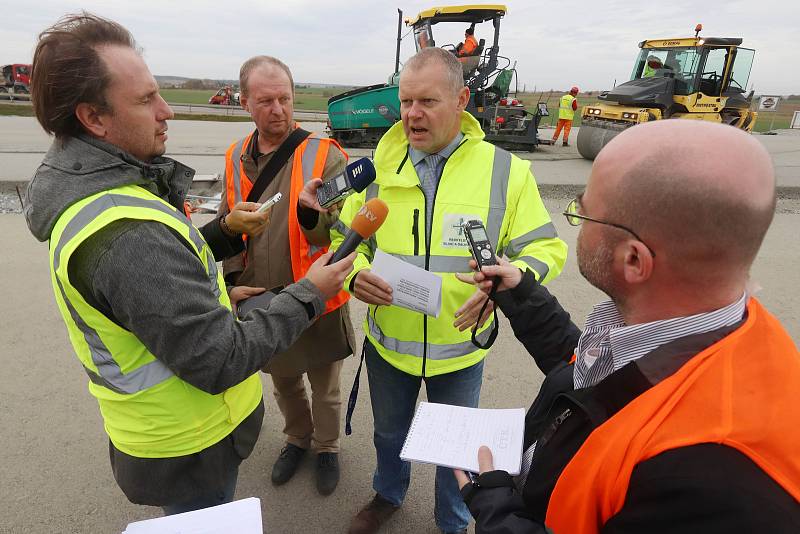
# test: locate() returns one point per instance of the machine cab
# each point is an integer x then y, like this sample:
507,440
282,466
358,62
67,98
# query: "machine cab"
713,66
467,17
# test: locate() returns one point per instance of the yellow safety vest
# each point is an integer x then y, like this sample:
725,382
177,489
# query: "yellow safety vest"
148,411
565,110
480,181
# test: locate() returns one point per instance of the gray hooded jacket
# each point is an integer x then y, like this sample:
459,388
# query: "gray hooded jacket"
146,278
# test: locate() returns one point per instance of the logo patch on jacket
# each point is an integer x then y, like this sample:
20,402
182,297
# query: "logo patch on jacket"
452,231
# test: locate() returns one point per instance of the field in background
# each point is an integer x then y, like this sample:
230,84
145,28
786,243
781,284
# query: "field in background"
305,98
316,99
17,110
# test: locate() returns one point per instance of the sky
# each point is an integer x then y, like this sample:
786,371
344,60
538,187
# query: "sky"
556,45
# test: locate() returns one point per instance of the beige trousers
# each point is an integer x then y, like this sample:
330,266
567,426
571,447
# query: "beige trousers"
316,425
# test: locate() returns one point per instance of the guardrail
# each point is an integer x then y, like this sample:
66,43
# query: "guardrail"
210,109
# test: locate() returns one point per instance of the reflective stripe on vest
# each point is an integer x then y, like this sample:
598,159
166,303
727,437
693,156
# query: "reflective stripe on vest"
313,153
110,375
148,411
501,173
310,155
739,392
565,110
236,160
435,352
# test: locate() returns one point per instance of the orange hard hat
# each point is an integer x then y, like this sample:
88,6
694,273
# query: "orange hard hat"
574,90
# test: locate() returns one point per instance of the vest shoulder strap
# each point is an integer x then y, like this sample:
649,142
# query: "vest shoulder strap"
277,162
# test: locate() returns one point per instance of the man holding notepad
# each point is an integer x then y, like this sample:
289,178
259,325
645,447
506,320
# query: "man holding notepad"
675,410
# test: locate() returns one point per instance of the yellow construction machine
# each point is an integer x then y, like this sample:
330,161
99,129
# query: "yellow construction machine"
685,78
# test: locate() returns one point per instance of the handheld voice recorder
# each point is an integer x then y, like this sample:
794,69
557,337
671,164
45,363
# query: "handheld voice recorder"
479,243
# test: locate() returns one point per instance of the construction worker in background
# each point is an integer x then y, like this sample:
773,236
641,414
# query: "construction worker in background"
470,44
653,64
566,112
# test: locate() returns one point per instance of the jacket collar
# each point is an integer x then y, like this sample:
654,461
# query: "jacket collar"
392,150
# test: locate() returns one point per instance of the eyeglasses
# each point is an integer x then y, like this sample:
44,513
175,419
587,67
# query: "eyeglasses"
574,218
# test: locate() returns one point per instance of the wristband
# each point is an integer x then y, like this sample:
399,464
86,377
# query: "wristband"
490,479
225,228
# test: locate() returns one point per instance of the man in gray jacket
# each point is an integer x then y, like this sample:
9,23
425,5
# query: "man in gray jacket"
174,373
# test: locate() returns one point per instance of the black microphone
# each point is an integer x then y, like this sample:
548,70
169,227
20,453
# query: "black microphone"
366,222
355,178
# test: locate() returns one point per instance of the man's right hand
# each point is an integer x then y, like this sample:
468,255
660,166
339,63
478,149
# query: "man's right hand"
330,278
245,219
372,289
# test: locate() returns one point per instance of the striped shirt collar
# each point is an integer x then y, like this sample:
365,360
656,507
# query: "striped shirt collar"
607,344
417,156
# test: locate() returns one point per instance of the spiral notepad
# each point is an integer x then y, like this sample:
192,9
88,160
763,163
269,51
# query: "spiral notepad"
450,436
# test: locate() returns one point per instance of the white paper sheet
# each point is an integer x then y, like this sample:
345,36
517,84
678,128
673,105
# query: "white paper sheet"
242,516
413,288
450,436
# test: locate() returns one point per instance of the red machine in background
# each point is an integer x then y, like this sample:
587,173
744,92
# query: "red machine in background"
225,97
16,81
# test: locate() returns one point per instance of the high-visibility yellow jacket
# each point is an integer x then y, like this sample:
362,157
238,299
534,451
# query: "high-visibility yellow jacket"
565,110
148,411
479,181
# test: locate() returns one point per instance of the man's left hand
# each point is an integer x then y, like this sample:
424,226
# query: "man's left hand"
240,293
308,196
485,463
467,314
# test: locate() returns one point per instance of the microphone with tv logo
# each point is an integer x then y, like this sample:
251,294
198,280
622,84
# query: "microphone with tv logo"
355,178
366,222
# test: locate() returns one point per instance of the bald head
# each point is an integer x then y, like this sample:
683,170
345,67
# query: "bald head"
446,63
701,194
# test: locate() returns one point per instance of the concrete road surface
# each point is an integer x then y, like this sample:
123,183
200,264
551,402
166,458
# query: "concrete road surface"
202,146
54,461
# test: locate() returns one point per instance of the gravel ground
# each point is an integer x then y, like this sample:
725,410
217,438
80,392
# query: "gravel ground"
9,199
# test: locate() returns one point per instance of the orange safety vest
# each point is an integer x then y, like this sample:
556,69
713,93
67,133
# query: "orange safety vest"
739,392
308,163
469,46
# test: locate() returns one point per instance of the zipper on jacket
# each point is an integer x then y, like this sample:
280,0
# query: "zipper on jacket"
428,247
415,231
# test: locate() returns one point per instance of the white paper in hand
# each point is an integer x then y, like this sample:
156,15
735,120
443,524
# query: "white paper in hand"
413,288
450,436
242,516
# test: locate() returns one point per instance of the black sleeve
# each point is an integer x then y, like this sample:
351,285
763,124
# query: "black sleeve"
539,322
221,245
146,279
500,510
307,217
707,488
